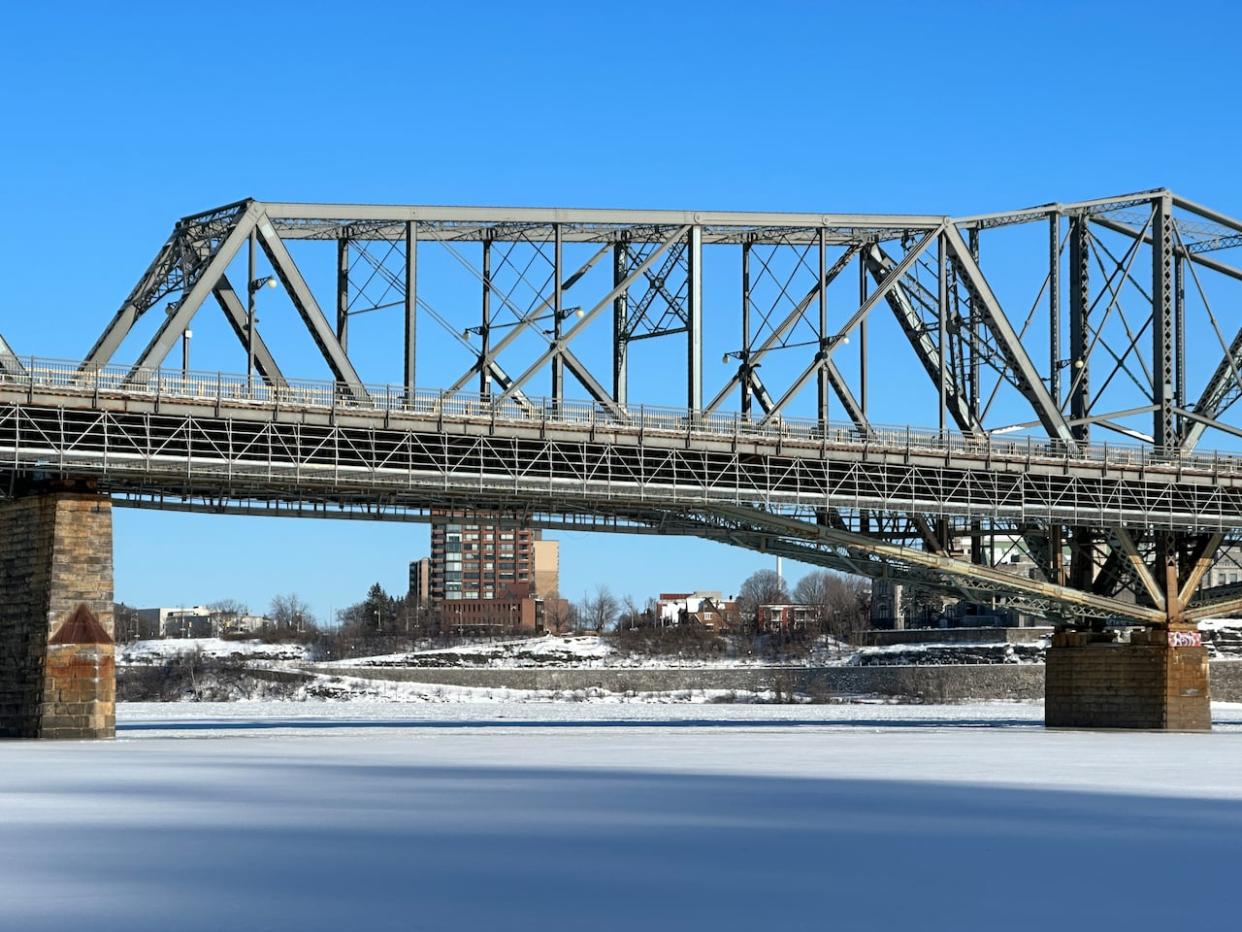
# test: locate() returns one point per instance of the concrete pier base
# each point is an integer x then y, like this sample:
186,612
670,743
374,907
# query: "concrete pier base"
1148,684
57,659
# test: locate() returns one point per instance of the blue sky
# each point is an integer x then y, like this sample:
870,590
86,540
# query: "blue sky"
119,119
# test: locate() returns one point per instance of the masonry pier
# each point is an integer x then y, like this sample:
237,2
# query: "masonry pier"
57,657
1159,681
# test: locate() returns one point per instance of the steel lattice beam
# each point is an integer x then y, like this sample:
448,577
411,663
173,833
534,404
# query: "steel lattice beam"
1146,528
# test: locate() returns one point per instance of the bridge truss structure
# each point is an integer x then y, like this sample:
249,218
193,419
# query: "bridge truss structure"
1060,365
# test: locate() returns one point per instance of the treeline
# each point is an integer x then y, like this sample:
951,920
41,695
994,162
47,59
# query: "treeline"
827,603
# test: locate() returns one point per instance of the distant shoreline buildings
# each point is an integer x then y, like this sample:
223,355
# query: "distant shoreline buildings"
195,621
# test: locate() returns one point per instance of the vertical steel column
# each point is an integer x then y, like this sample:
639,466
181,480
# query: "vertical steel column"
942,276
747,385
694,320
342,293
862,329
558,314
1163,432
485,327
1082,552
972,333
1179,338
1162,320
1080,326
1054,307
864,516
620,324
821,377
1056,552
250,316
411,306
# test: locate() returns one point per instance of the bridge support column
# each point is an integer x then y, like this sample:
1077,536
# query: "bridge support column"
1147,683
57,658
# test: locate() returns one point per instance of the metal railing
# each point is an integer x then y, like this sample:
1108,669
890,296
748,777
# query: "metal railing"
220,388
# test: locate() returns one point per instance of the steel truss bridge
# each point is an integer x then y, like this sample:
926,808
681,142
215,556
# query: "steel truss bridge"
1063,387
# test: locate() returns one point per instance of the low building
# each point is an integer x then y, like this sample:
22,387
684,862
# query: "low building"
195,621
707,609
784,619
188,624
517,610
227,624
888,604
175,622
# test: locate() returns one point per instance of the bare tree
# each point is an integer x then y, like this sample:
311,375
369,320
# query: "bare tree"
840,601
559,613
229,607
600,609
631,615
125,622
291,613
764,587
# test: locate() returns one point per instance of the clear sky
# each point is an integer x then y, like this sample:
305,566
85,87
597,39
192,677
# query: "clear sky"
118,119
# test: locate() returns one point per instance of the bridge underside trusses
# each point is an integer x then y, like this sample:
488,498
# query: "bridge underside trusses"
1082,322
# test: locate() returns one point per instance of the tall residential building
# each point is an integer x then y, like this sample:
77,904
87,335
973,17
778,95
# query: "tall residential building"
547,569
472,558
420,581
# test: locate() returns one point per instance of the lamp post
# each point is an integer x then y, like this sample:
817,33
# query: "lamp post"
253,285
185,354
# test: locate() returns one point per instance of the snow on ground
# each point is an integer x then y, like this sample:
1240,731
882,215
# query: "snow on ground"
353,688
352,815
158,651
575,651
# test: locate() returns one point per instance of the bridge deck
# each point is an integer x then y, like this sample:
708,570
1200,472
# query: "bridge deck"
215,434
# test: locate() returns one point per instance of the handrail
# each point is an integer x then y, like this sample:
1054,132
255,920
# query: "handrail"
221,388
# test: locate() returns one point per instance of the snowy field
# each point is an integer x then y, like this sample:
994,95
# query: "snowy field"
583,816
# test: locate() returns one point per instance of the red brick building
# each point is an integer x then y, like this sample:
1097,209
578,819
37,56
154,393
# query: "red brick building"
515,610
784,618
475,559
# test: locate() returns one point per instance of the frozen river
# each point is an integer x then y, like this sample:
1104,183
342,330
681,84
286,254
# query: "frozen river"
599,816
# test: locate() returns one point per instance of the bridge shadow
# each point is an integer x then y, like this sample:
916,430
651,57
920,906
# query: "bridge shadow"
253,837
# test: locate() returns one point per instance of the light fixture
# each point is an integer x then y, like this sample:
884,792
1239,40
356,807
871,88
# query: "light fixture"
271,281
581,313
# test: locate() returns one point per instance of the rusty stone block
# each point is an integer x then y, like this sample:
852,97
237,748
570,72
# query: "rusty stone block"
1147,684
56,650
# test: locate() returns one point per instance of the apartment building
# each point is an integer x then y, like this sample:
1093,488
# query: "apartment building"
476,559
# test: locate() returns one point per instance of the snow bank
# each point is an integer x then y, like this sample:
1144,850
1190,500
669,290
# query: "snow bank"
577,651
154,652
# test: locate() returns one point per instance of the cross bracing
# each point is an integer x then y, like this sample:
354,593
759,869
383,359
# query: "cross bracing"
1061,367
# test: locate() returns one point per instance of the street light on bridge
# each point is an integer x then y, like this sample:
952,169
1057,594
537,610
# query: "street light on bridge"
253,285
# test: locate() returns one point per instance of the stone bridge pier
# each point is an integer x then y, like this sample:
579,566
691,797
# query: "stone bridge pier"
57,657
1157,681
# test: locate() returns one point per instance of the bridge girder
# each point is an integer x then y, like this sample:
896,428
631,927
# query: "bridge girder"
1127,361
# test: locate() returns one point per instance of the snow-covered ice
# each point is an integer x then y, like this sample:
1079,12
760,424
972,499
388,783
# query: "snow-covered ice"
354,815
